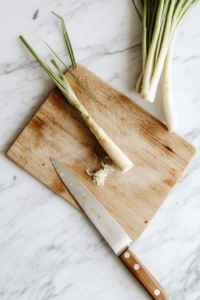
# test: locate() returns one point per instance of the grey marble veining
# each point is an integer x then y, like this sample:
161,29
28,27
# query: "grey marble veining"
49,250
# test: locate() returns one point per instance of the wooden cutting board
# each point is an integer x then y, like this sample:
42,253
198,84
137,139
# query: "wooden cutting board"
160,158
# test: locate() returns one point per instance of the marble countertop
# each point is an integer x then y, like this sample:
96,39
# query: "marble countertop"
48,249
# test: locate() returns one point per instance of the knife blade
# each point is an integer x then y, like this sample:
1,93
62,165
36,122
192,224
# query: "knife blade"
115,236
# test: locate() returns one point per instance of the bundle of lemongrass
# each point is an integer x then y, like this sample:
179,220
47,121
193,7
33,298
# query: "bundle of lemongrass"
160,22
113,151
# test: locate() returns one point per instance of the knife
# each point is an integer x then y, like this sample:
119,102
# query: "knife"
115,236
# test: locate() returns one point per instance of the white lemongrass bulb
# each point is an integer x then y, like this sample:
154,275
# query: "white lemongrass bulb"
152,92
114,152
171,115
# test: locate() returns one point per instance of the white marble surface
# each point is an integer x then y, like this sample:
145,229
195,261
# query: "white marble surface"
49,250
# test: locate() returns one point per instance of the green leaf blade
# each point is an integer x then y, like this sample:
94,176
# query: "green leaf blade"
67,40
79,81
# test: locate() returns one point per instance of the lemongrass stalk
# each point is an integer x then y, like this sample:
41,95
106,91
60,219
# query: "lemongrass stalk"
148,67
144,45
152,23
144,35
113,151
171,115
150,95
139,84
163,24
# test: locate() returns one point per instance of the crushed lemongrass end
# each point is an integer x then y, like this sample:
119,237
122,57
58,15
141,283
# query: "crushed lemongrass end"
99,176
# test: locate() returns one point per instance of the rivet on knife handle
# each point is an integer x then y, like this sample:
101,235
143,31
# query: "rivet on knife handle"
143,275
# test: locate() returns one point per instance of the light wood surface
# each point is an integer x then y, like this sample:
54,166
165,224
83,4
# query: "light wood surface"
142,274
160,158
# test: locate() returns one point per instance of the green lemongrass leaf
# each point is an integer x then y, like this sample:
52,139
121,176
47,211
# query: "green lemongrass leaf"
64,79
162,29
58,81
149,66
144,34
137,10
41,61
150,29
80,82
67,40
59,70
148,21
71,98
185,8
63,87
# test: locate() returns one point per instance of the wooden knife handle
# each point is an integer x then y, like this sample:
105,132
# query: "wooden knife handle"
143,275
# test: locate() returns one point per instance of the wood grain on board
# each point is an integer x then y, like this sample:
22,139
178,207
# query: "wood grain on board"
57,130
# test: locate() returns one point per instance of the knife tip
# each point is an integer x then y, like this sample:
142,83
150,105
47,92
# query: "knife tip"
52,160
